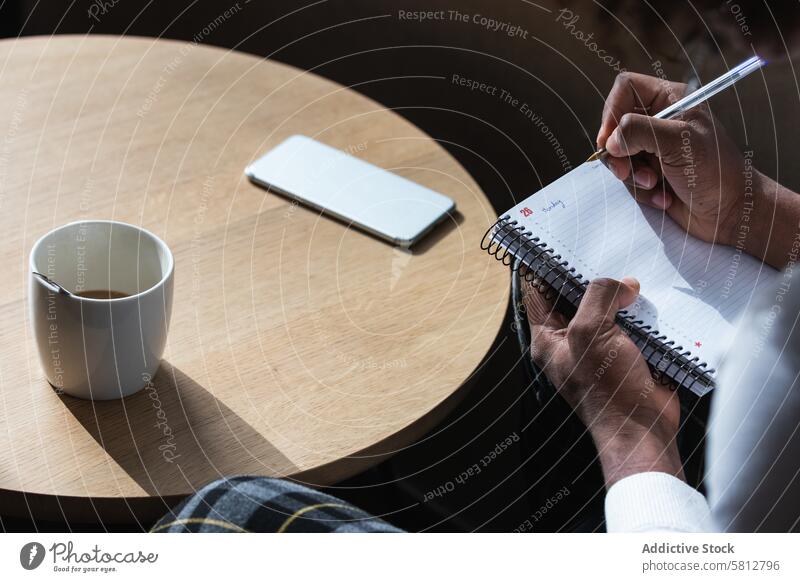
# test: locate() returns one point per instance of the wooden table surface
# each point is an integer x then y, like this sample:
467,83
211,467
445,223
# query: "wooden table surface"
297,347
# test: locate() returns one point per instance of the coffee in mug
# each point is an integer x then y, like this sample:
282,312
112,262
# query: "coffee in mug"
102,294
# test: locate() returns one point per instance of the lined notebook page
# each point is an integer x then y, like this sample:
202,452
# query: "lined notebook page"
692,292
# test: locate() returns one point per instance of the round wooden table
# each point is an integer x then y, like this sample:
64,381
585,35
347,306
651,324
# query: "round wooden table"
298,347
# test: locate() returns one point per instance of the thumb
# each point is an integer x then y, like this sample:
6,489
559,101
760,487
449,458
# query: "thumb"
641,133
603,298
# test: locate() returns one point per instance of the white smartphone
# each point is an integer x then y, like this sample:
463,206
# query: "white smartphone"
354,191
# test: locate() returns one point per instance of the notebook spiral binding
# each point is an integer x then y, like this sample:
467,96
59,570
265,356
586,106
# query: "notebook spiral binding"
508,241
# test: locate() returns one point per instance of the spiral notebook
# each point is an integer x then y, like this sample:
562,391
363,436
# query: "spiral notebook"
586,225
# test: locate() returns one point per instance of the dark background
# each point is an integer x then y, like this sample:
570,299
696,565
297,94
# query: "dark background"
365,44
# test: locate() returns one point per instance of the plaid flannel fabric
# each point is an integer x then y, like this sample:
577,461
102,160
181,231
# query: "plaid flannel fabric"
261,504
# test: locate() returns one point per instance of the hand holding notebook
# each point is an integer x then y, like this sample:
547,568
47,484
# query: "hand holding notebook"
586,225
601,374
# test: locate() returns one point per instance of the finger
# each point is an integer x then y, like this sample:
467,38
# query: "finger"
634,92
640,133
643,176
598,308
630,92
620,167
540,310
634,170
660,198
544,342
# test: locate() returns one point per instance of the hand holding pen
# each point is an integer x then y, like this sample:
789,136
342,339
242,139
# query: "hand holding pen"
687,166
702,94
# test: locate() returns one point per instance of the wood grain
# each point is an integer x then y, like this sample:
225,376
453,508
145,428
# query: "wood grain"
298,347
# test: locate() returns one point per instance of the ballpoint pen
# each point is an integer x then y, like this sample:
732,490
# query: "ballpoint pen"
702,94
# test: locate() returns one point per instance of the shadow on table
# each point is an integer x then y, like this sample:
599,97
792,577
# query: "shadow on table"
175,436
429,240
441,230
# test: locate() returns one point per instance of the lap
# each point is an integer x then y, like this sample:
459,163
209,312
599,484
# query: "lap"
262,504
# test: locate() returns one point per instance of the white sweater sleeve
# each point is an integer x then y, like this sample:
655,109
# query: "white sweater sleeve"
655,502
753,455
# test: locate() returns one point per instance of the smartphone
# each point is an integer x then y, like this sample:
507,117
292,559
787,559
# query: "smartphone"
356,192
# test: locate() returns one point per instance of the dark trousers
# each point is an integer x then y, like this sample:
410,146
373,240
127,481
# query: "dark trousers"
261,504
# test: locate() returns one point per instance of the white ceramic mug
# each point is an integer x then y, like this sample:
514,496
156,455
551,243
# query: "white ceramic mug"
100,348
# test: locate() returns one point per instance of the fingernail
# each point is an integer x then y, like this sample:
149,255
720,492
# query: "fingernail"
661,200
644,179
632,282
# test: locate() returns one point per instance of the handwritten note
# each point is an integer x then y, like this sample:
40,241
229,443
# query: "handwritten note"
553,205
